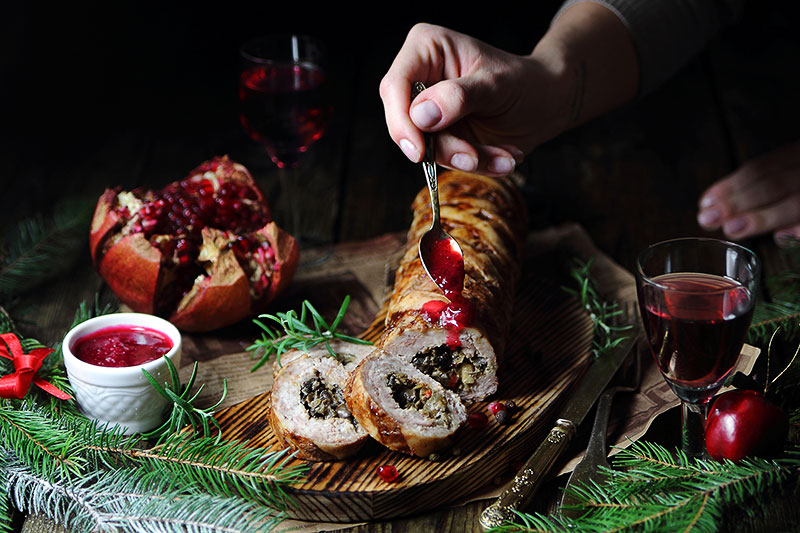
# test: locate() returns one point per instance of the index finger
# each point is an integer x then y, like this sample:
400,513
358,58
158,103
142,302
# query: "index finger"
411,64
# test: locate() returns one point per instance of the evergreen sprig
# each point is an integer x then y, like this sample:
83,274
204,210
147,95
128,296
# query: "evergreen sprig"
779,307
605,315
135,500
37,249
295,332
225,468
653,489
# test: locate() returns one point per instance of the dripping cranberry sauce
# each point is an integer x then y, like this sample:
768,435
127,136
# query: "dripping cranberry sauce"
446,268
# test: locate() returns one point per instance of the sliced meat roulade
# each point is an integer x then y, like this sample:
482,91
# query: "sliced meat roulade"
308,411
458,339
401,407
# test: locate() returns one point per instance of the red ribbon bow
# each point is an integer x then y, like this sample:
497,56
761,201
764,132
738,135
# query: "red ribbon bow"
26,365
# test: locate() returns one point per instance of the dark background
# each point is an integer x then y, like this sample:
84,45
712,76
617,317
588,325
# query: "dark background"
135,94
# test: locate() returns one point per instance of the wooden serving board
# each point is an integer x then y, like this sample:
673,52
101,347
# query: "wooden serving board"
548,350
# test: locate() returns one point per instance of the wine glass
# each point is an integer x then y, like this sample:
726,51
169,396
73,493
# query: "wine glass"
696,297
285,105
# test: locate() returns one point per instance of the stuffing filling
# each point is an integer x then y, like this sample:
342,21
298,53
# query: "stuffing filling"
454,369
324,401
410,394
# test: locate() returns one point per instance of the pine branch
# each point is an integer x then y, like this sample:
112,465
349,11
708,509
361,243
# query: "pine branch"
227,468
44,443
6,509
37,249
134,500
298,334
652,489
781,306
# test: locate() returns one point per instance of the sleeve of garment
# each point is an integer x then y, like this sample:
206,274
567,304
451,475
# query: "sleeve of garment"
668,33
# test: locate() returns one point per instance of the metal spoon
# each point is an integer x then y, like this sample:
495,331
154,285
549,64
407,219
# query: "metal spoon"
440,253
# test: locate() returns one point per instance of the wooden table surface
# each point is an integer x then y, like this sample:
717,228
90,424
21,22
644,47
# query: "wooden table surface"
141,98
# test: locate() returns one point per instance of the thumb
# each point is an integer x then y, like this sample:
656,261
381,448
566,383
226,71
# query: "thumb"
445,103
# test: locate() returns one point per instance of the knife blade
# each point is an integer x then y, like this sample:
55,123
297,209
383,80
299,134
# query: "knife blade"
521,490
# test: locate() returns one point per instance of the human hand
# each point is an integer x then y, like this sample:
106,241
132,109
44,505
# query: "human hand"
761,196
488,107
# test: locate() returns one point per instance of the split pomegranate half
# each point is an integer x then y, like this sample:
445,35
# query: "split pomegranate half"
202,252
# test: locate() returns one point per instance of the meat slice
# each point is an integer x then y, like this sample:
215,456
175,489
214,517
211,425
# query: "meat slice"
401,407
308,412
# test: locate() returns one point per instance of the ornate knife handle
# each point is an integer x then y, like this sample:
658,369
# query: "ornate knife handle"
519,493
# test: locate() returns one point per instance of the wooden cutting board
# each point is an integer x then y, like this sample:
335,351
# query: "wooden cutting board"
548,350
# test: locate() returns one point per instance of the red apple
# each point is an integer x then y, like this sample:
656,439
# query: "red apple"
743,423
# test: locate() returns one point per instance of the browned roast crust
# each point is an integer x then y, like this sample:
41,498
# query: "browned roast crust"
489,219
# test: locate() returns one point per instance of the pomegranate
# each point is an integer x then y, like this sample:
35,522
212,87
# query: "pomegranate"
202,252
743,423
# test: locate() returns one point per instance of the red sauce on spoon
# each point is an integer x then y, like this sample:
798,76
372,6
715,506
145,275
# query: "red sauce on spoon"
120,346
446,267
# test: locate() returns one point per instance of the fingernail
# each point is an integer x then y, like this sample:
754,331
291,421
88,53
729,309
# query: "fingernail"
708,217
464,162
785,237
409,149
501,165
426,114
737,225
707,201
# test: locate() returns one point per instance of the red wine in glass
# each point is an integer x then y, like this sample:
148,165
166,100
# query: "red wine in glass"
696,298
697,328
284,106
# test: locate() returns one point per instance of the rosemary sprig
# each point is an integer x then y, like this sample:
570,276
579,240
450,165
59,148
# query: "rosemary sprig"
297,333
184,413
603,314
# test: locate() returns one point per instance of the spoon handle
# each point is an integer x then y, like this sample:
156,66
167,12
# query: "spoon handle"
433,181
429,164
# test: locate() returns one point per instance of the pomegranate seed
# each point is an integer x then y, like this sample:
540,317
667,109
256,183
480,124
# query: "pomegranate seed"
477,420
241,246
494,407
387,473
149,224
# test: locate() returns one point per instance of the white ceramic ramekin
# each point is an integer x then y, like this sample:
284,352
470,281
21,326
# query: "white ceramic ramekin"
121,395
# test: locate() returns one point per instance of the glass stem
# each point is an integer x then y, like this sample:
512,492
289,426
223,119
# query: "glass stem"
290,201
693,438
